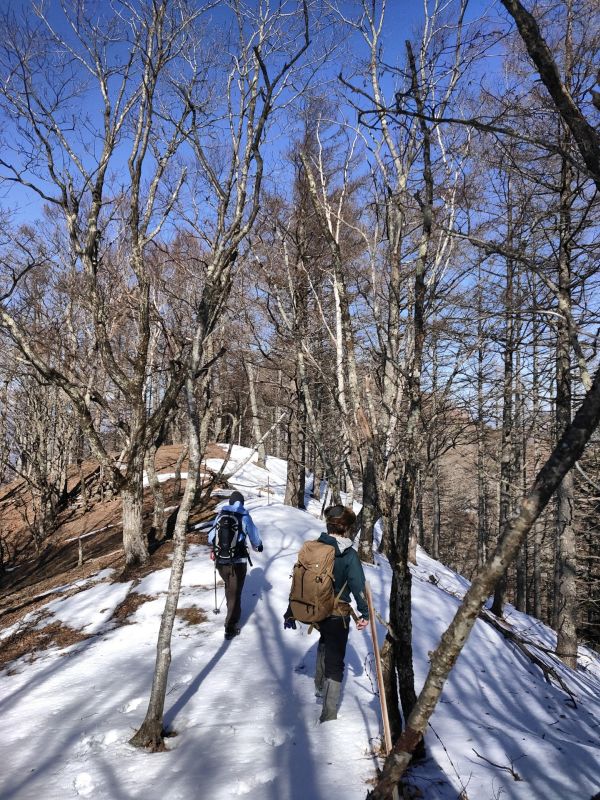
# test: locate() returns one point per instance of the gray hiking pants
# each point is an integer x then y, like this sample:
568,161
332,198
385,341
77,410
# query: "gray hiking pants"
233,576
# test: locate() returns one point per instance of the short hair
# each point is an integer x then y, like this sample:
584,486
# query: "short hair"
339,518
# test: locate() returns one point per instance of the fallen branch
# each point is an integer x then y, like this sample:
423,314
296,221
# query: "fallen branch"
528,650
510,769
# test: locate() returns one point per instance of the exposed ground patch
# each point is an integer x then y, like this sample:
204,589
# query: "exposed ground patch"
192,615
129,606
31,641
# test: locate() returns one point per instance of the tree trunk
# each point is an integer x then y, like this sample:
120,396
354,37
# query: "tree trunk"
535,602
506,446
305,402
317,478
418,536
158,516
401,550
301,498
390,683
294,458
256,432
400,594
566,643
519,473
482,513
437,513
369,511
150,735
83,491
178,464
400,598
132,496
280,440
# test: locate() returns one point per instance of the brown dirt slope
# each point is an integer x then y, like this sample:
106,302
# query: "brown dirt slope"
92,528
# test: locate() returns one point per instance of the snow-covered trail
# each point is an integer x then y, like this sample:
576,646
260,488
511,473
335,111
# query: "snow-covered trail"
244,711
258,690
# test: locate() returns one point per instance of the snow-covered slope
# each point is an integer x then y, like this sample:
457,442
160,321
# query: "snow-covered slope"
244,711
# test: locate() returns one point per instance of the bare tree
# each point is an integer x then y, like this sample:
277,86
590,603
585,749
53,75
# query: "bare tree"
41,433
131,64
256,79
417,252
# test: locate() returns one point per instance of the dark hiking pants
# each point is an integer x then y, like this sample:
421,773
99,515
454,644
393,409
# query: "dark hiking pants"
334,638
233,576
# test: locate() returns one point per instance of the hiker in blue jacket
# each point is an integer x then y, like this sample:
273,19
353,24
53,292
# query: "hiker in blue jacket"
349,579
232,563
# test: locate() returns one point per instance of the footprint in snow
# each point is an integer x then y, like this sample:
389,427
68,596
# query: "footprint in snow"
246,786
277,738
84,785
93,743
130,706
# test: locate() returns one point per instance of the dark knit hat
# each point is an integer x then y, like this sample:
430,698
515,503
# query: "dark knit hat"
236,497
339,518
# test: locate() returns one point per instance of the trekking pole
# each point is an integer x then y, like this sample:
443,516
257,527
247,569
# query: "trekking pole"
387,736
216,609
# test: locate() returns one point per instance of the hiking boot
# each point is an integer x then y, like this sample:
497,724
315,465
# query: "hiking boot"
231,632
331,700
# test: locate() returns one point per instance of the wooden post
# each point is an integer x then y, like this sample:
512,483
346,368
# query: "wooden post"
387,736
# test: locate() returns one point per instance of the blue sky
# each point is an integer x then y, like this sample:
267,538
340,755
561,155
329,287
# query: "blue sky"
403,17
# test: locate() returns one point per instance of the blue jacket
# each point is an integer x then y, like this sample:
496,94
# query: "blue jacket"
249,529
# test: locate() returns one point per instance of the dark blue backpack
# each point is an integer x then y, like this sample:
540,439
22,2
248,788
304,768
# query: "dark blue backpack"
229,542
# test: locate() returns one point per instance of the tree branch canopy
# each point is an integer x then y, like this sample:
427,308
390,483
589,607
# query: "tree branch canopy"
584,134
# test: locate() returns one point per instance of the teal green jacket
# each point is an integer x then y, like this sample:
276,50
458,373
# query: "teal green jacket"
348,569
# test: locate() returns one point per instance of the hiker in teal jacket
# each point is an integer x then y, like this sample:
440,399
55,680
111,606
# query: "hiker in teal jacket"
349,579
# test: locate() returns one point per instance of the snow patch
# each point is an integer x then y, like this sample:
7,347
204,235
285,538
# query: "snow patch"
247,785
90,610
84,785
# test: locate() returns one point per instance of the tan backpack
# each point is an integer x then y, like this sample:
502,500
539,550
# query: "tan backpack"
312,596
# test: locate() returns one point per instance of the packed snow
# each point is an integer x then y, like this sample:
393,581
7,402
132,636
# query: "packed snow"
244,713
